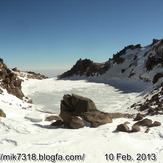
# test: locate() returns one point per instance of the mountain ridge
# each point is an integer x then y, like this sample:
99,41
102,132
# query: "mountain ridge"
134,62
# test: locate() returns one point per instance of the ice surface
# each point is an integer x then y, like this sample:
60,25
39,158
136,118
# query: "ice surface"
107,98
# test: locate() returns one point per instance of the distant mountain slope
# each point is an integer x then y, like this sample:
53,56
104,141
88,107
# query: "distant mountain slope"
87,68
133,62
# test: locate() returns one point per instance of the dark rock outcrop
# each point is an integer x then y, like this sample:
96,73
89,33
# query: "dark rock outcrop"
123,128
75,109
139,117
33,75
155,124
10,81
117,58
153,102
157,77
145,122
85,67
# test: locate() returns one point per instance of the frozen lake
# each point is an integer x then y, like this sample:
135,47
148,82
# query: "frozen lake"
47,97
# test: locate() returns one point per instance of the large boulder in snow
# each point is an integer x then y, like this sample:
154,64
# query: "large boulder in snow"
96,118
123,128
155,124
2,114
75,105
135,128
145,122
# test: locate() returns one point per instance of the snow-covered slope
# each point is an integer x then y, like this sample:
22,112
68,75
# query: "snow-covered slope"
128,83
25,131
133,62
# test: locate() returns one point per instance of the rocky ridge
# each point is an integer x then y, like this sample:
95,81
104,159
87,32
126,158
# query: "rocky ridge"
85,67
10,81
133,62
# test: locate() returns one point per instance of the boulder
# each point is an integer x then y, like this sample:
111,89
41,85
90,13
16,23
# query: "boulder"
96,118
145,122
75,105
58,123
139,117
2,114
123,128
135,128
155,124
82,104
76,122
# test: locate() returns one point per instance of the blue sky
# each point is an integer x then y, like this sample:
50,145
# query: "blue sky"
40,34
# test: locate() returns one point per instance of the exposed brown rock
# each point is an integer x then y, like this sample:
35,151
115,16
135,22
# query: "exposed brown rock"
58,123
145,122
123,128
10,81
155,124
139,117
135,128
75,105
96,118
85,67
53,117
33,75
76,122
2,114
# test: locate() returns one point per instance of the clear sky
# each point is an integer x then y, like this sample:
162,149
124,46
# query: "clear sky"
40,34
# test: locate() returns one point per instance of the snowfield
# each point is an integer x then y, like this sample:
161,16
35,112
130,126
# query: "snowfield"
25,131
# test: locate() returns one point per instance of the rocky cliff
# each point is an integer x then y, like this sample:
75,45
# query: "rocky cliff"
10,81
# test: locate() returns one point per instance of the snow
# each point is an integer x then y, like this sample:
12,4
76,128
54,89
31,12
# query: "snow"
26,131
